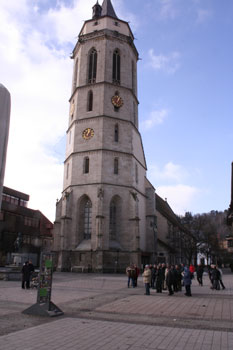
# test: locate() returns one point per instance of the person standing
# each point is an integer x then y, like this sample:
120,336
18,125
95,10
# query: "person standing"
179,278
220,277
130,272
26,272
147,279
169,279
187,281
159,279
200,271
215,278
137,272
153,276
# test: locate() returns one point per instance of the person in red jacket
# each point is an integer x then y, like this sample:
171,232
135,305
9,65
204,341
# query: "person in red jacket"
192,270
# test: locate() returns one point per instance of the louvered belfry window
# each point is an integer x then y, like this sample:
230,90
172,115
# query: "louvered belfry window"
92,66
116,67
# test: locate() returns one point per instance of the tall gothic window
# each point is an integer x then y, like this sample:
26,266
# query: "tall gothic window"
113,220
116,165
116,133
90,101
85,218
86,165
67,170
116,67
92,66
136,173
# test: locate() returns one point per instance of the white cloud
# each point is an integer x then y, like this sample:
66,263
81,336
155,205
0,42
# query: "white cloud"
170,172
168,63
180,197
38,77
168,10
156,117
203,15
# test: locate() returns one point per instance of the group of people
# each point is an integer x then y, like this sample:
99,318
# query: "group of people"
132,273
168,277
215,276
27,271
173,277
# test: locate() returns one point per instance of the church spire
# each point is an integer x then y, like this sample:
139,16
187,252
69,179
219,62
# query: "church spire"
107,9
97,10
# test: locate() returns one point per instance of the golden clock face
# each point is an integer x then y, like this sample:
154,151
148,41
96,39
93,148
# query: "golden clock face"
117,101
88,133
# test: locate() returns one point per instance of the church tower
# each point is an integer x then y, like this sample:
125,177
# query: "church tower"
106,216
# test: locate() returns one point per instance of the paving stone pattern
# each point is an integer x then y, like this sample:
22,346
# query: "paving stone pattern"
100,312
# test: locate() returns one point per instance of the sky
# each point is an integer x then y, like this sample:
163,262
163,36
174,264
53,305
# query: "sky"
185,86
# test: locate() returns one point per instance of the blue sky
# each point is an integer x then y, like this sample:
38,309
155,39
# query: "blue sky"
185,84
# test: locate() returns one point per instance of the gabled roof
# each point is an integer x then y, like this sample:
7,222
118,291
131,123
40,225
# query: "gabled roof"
164,208
107,9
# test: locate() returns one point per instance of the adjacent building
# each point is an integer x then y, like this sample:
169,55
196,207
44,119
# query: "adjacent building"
24,232
175,244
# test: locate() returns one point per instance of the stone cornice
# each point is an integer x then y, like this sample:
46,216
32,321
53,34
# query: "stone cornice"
117,86
105,184
115,152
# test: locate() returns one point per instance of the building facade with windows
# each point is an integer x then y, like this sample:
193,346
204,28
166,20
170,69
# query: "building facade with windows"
175,244
106,216
23,231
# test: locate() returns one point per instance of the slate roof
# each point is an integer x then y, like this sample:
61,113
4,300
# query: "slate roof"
107,9
164,208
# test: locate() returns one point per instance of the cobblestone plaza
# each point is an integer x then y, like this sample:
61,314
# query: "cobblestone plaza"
100,312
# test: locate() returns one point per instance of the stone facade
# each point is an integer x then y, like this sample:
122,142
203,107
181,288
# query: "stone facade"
103,220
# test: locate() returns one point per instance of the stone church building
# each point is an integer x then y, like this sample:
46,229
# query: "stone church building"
106,217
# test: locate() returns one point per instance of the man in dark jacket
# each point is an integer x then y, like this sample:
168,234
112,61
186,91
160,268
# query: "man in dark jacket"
169,279
26,272
200,271
159,279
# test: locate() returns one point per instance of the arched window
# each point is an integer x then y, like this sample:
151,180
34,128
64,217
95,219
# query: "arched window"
113,220
86,165
67,170
75,77
85,218
116,67
90,101
116,133
92,66
116,170
136,173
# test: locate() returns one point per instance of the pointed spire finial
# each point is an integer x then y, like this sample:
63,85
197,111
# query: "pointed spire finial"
107,9
96,10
